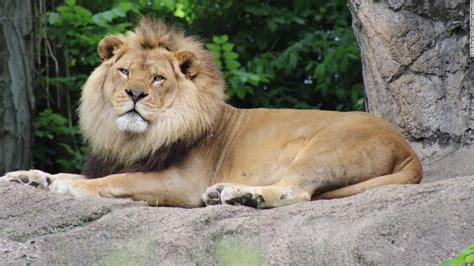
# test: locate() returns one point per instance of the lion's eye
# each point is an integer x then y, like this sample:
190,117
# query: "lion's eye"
124,71
158,78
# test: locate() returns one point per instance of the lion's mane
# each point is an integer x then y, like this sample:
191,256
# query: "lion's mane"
191,116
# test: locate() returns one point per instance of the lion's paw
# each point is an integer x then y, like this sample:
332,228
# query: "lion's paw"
233,195
34,178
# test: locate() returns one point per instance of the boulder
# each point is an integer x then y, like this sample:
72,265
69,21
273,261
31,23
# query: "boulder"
398,224
416,66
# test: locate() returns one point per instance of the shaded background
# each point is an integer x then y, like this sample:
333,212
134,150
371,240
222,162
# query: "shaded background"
295,54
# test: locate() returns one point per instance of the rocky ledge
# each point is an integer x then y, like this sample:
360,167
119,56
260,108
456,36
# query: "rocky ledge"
402,224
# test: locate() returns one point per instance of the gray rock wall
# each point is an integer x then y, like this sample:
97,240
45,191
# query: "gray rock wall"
416,66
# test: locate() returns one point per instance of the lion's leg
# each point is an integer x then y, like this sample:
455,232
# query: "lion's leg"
168,188
411,173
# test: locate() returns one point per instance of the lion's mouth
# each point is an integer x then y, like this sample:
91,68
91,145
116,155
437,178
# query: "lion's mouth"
134,111
132,121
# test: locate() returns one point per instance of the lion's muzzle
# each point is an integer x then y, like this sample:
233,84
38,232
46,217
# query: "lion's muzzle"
136,94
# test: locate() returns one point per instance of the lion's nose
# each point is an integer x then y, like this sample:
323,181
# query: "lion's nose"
136,94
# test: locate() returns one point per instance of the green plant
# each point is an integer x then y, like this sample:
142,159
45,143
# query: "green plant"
241,82
52,130
465,258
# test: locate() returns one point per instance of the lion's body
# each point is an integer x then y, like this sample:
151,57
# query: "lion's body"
161,132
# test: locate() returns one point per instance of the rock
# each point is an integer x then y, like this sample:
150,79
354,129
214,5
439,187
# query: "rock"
416,66
402,224
445,162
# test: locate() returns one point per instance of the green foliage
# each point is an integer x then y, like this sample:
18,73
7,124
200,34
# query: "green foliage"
241,82
55,139
296,54
465,258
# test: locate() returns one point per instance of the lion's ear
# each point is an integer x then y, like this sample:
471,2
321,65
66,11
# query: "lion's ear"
188,63
108,46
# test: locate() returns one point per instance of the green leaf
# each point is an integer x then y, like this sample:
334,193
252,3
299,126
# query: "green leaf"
320,71
179,11
299,20
118,12
228,47
240,92
232,64
108,15
216,39
53,18
220,39
469,258
293,60
213,47
70,2
125,6
230,55
271,25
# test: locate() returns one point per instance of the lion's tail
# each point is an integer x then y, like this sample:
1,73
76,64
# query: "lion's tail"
411,173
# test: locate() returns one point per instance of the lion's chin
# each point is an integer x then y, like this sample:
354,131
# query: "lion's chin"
131,123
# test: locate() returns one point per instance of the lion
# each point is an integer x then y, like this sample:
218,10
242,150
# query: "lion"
158,128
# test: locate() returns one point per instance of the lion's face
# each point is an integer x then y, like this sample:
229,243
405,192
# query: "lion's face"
144,84
155,87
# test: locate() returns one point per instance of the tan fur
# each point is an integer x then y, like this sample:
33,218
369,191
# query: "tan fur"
256,157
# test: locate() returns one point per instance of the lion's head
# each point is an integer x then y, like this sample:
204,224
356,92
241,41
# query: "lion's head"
155,87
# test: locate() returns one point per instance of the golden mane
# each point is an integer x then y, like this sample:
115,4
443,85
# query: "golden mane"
192,115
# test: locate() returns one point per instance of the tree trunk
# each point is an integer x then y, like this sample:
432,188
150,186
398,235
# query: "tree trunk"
16,84
416,66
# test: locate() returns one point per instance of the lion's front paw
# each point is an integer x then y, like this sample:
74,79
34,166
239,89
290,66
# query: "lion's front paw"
34,178
233,194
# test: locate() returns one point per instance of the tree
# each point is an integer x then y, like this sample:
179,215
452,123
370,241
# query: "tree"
16,84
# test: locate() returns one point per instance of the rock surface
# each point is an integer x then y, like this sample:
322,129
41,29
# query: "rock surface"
443,163
416,66
404,224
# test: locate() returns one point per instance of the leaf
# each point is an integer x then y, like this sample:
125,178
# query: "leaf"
70,2
179,13
108,15
293,60
271,25
232,64
125,6
228,47
320,71
170,4
224,38
254,79
469,259
220,39
216,39
240,92
53,18
213,47
99,20
299,20
230,55
118,12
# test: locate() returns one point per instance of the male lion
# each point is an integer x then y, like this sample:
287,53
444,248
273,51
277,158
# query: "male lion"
158,129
